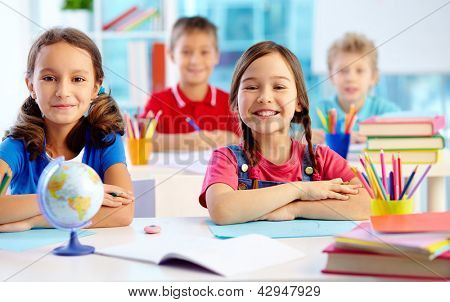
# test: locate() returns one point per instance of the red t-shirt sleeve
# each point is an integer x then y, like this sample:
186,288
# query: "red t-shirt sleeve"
222,168
332,165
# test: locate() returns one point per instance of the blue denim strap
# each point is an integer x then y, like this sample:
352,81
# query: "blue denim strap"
241,160
307,164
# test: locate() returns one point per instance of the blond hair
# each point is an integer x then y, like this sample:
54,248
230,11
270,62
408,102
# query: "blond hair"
353,43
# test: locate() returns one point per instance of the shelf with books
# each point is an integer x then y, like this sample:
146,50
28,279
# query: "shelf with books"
160,35
126,32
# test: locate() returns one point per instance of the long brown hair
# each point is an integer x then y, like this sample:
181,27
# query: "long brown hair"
250,55
104,115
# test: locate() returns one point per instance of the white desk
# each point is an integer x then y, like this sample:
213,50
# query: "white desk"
178,185
16,266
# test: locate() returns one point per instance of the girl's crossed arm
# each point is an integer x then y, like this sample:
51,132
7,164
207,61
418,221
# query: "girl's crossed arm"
227,206
21,212
356,207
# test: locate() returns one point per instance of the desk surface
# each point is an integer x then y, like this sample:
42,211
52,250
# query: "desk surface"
41,265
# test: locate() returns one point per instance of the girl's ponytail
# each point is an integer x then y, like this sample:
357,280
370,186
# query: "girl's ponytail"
306,122
104,118
29,127
251,146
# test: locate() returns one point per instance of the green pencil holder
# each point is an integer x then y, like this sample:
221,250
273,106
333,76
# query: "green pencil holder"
392,207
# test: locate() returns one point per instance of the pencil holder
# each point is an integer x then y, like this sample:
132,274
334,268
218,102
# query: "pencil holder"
339,142
391,207
139,150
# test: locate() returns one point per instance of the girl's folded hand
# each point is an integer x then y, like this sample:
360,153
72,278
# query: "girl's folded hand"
116,196
331,189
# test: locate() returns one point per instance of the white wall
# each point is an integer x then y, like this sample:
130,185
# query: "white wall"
423,48
16,41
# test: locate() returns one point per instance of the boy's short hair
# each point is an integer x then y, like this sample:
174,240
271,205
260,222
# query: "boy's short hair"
353,43
190,24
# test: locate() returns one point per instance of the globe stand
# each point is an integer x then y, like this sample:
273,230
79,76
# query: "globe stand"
74,248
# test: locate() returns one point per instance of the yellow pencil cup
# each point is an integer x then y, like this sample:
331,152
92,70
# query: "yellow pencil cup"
392,207
139,150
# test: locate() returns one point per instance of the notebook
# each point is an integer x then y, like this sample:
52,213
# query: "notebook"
402,126
282,229
427,245
423,222
351,262
224,257
22,241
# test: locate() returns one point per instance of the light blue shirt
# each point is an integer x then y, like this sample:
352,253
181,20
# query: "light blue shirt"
372,106
26,173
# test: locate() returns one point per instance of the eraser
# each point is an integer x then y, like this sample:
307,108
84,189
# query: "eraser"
152,229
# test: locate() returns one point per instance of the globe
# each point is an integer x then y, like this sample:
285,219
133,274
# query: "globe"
70,194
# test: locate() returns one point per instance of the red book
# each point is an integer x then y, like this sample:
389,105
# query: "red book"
402,126
353,262
412,223
158,67
119,18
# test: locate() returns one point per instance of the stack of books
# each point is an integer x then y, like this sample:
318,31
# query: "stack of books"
131,19
416,139
419,254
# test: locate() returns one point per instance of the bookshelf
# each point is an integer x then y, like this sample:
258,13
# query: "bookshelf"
127,54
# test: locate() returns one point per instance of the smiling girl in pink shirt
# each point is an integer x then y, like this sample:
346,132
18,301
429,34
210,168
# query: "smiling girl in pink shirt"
270,176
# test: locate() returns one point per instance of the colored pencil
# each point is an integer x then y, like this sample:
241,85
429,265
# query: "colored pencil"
413,190
4,182
152,125
332,120
362,161
378,181
372,178
136,129
399,170
322,119
192,123
394,168
158,115
130,131
383,169
391,185
374,185
408,182
365,176
349,118
364,182
149,114
352,123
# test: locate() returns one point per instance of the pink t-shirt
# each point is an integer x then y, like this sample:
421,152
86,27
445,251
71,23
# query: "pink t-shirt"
222,168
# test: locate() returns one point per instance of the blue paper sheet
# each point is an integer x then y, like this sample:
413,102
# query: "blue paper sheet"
283,229
22,241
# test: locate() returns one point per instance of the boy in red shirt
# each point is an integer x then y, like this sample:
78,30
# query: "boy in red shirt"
195,115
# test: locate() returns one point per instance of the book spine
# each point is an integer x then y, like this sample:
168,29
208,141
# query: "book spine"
158,67
138,69
119,18
138,20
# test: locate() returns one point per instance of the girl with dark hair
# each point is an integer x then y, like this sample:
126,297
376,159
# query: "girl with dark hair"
270,176
67,114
